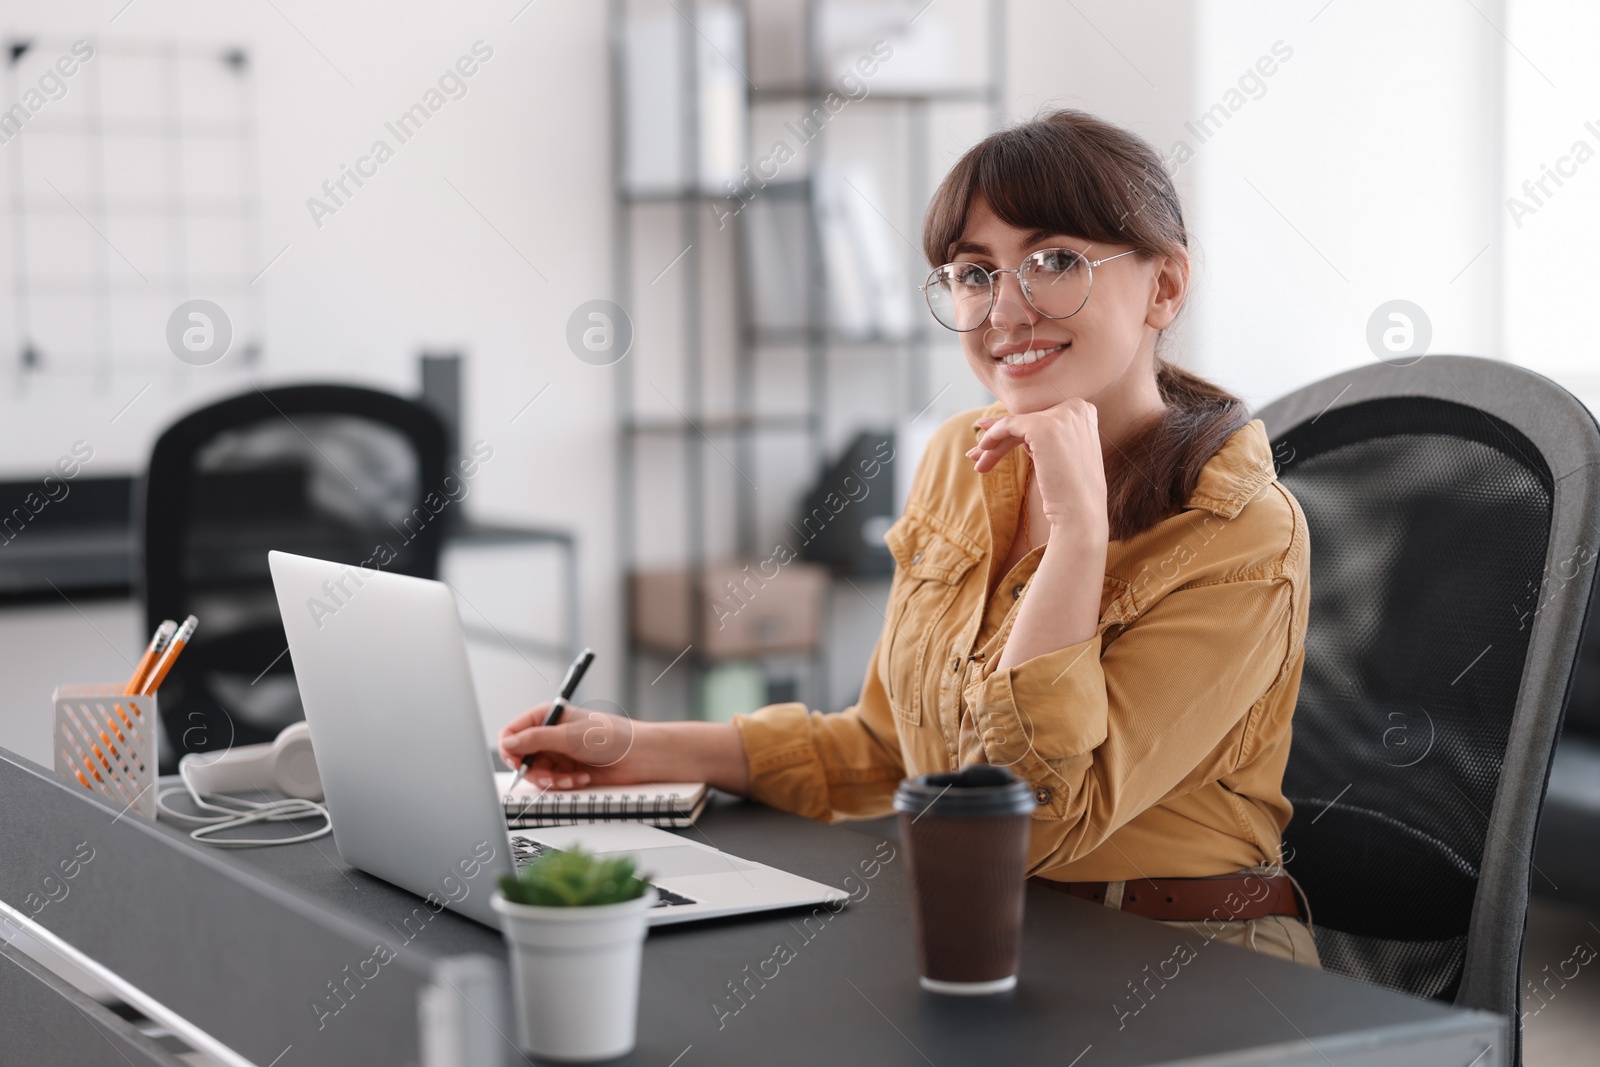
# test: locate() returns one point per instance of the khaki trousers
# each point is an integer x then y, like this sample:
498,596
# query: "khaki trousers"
1273,935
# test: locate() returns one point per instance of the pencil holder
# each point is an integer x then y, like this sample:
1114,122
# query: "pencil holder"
106,741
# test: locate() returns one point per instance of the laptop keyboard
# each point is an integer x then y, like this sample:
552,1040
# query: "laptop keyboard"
525,850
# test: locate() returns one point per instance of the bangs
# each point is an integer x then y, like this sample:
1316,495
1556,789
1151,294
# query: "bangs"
1086,179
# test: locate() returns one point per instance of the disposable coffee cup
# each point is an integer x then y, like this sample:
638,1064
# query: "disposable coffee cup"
966,840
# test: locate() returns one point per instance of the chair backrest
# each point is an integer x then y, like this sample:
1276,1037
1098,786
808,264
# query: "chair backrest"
337,472
1583,713
1453,507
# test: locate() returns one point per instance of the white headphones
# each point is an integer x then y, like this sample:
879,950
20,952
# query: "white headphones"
287,765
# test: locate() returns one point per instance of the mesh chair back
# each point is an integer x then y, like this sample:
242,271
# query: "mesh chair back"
1447,504
335,472
1583,714
1430,522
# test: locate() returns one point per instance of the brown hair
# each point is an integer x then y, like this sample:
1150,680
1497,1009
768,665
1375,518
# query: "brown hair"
1071,173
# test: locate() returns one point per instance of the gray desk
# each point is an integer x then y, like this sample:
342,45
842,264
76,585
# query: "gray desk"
240,944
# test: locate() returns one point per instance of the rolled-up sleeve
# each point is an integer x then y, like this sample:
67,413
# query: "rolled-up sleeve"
1104,732
827,766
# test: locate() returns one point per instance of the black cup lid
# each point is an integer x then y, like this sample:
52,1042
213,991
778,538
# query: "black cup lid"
980,790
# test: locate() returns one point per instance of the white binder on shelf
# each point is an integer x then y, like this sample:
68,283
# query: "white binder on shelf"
656,136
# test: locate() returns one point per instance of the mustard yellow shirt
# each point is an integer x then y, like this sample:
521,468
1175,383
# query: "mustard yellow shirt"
1156,748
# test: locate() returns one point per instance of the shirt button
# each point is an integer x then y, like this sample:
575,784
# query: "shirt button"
1042,795
916,557
955,664
1016,592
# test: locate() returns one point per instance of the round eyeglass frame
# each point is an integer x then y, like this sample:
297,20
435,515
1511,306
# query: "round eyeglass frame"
993,289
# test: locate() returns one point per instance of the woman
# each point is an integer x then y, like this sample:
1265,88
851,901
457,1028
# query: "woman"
1099,581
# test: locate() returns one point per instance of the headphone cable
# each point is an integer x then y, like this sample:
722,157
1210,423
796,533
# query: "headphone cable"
232,818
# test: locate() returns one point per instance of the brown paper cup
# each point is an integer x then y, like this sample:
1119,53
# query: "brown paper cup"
966,840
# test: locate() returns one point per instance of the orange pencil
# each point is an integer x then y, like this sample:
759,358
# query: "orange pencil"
158,643
158,674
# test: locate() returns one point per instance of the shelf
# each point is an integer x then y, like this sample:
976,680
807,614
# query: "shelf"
680,196
788,188
719,424
483,534
973,95
795,323
799,335
692,655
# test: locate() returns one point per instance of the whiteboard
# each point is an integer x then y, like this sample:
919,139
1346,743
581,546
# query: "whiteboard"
127,187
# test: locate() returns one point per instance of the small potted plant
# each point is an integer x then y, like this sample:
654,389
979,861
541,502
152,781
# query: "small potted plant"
576,927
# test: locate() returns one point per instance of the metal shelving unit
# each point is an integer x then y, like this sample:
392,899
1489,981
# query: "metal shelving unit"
693,427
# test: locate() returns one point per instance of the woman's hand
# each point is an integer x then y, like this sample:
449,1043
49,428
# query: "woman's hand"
1064,443
593,748
1063,605
586,748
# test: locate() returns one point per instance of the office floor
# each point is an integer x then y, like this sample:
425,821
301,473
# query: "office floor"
1562,1026
83,640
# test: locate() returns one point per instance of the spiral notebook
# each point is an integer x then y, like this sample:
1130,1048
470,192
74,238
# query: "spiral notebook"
672,804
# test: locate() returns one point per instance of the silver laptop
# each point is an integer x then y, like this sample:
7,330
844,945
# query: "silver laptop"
409,779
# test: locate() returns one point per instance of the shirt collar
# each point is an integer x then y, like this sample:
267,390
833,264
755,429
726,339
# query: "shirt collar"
1229,479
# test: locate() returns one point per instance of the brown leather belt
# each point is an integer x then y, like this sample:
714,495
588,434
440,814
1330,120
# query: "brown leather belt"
1226,897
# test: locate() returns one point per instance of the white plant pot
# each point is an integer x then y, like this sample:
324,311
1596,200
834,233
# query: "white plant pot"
575,974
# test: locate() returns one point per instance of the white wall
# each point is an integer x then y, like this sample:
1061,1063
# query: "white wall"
1367,172
1551,232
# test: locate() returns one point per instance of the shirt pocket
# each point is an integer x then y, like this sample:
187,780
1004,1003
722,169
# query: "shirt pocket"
929,569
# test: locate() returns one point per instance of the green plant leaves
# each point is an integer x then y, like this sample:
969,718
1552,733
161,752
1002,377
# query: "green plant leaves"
574,878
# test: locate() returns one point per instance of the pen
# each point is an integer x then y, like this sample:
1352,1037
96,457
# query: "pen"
569,685
158,673
158,643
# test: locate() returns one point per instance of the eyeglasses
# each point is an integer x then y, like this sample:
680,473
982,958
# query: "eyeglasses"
1054,281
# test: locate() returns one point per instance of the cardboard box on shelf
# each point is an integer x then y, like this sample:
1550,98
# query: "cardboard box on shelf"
747,609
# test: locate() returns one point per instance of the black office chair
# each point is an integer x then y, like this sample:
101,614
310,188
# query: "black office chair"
332,471
1569,826
1453,507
